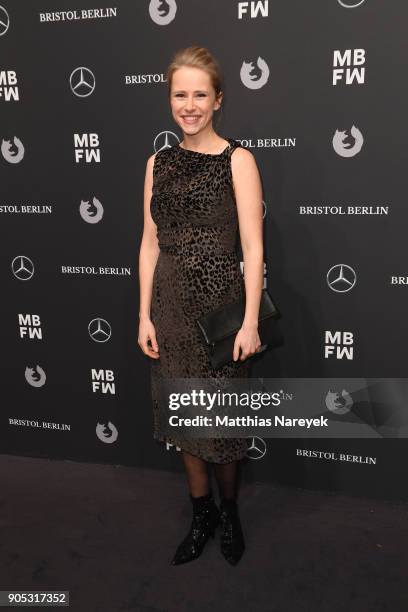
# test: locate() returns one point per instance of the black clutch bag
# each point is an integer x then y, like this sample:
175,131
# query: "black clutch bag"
220,327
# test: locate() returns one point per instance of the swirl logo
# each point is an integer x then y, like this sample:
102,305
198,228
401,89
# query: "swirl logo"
254,76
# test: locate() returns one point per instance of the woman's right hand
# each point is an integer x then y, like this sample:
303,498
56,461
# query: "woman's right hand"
148,332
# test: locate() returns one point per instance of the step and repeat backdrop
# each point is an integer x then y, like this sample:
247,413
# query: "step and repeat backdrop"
315,89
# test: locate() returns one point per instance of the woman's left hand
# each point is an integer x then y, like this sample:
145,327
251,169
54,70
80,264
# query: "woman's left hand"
248,340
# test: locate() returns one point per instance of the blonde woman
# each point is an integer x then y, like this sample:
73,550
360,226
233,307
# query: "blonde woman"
198,193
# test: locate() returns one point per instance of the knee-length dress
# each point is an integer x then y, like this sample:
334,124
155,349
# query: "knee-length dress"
194,209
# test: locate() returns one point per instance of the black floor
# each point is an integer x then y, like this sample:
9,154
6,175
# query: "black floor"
107,534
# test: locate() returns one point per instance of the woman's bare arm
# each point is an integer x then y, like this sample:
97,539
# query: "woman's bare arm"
149,248
248,195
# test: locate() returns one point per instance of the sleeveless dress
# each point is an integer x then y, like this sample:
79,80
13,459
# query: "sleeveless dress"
194,209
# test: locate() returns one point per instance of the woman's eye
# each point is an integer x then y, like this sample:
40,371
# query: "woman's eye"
200,95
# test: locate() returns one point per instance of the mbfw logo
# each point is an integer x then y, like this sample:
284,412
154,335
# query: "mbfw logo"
8,85
82,82
354,71
107,432
12,150
254,75
35,376
165,140
341,278
4,21
22,267
103,381
255,8
91,212
99,330
350,3
339,344
162,13
345,148
339,403
87,148
30,326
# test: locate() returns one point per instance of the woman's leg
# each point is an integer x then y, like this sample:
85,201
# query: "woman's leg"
232,537
206,515
226,476
197,474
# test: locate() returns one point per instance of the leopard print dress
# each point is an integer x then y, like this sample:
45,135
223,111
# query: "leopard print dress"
194,209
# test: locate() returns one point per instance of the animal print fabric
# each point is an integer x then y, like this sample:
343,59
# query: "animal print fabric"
194,209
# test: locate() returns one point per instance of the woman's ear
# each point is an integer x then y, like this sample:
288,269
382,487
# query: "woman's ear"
218,100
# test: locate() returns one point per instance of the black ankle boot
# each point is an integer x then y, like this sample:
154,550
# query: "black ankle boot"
206,517
232,538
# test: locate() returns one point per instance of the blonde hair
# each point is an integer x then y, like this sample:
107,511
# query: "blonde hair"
197,57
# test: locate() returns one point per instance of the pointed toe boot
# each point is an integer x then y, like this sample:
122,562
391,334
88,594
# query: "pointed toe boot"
206,516
232,539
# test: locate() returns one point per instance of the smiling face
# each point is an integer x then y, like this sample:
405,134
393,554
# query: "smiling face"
192,99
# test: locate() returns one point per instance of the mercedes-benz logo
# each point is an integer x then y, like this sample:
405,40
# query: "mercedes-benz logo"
4,20
341,278
22,267
165,140
350,3
99,330
82,82
256,448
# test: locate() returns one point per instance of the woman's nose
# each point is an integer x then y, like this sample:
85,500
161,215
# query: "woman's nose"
189,104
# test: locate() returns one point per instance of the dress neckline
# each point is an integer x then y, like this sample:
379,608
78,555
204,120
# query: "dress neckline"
207,154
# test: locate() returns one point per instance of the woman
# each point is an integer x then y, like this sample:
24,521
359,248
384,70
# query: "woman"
197,194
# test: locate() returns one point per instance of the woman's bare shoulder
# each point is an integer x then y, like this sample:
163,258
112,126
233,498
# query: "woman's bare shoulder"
242,157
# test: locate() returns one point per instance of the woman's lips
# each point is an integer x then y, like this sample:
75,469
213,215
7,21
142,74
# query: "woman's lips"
190,118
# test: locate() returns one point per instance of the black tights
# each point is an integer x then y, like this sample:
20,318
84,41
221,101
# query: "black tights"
199,481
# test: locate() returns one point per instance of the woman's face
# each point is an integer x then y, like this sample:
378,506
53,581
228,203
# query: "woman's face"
192,99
